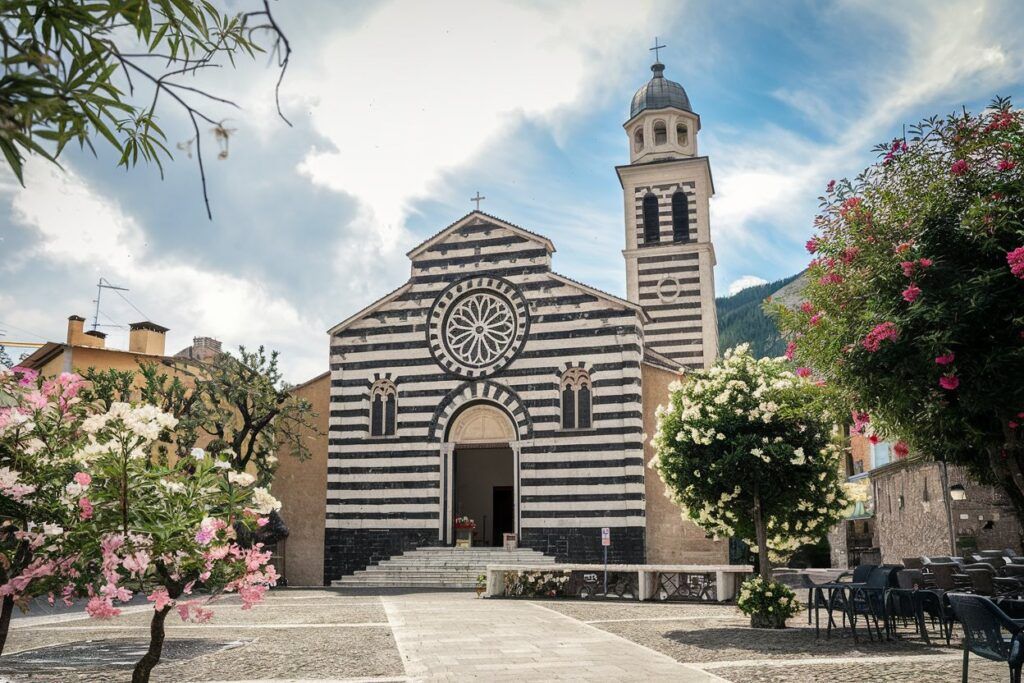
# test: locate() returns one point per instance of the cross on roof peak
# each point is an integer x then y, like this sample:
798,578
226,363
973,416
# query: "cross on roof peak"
655,49
477,199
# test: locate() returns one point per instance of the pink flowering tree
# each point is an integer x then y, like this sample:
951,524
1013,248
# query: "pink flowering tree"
914,310
170,532
40,433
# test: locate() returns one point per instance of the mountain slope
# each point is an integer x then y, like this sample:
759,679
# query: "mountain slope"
742,319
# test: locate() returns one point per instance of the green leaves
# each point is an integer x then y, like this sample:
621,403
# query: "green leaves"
69,72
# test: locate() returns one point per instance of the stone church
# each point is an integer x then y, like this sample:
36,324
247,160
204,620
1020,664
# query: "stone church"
490,386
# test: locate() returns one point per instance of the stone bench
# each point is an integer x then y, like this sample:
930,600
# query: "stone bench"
636,581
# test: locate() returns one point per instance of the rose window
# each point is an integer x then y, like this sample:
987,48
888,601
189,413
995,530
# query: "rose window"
477,326
480,328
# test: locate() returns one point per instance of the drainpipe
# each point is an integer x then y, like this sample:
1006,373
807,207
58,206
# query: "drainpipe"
949,509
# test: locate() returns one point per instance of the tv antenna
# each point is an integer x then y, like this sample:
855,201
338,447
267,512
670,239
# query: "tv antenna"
100,286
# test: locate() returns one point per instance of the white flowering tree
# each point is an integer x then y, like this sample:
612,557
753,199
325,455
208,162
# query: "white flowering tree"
87,511
745,449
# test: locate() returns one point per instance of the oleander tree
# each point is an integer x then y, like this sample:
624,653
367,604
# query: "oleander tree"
914,310
87,512
40,433
745,449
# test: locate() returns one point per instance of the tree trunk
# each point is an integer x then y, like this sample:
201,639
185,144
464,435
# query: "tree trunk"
762,540
156,646
5,620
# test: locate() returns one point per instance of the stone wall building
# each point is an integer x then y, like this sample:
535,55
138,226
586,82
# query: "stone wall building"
911,511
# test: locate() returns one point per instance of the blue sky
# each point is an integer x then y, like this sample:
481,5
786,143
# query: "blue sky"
403,110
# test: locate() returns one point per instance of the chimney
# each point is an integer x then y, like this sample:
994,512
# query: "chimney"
76,325
94,338
146,337
77,336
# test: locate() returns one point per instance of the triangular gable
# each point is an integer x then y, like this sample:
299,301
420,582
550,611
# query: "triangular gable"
369,309
473,217
602,295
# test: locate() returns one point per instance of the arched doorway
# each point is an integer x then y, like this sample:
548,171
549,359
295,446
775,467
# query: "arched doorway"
483,482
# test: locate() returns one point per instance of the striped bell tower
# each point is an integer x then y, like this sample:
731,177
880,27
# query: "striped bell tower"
669,256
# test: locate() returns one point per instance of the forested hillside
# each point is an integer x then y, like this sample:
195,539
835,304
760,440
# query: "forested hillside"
742,319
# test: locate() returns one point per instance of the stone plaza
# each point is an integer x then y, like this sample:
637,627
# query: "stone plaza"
405,635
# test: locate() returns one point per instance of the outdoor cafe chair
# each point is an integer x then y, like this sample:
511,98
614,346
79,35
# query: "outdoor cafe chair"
989,633
913,562
869,599
834,595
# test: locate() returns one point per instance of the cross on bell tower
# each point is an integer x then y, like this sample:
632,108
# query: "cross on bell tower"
655,49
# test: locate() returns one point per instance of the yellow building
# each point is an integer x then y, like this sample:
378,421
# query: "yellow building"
87,349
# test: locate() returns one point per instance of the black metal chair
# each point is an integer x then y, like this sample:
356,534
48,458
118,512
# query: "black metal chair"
868,599
834,595
901,603
989,633
913,562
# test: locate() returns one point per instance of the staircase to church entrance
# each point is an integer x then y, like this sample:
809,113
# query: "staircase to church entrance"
438,567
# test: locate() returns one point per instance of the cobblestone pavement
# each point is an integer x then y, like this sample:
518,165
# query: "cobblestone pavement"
304,635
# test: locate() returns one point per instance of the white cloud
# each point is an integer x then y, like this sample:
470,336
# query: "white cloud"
78,228
745,282
426,87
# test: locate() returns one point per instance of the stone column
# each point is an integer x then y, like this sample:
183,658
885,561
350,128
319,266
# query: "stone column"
444,525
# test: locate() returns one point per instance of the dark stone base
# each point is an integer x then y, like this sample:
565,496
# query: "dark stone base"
583,545
348,550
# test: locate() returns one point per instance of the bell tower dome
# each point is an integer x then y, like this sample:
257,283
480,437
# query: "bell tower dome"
669,256
661,123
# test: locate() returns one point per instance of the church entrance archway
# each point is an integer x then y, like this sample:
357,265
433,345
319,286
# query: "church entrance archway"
482,461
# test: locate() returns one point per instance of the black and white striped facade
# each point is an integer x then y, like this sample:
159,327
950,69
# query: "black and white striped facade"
388,494
672,276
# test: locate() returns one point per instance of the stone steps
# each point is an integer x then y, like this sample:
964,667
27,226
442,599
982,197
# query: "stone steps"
438,567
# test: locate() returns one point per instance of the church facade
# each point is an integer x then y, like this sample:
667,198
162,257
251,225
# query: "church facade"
490,387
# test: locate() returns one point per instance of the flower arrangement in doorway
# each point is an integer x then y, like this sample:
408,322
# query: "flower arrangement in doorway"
464,522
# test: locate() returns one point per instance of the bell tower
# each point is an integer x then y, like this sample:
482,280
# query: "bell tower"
669,256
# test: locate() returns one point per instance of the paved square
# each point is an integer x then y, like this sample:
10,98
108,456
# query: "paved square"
325,635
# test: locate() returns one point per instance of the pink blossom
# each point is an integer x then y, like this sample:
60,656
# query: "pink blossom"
925,262
36,399
85,508
901,449
830,187
908,268
949,382
1016,260
903,247
83,479
873,340
874,438
959,167
1012,424
136,563
160,599
262,521
815,319
101,608
803,372
860,421
790,350
911,293
27,376
946,358
812,245
831,279
850,253
1006,165
806,307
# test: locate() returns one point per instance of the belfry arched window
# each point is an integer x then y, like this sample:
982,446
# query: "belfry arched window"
651,224
681,134
383,408
638,139
576,399
680,217
660,133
